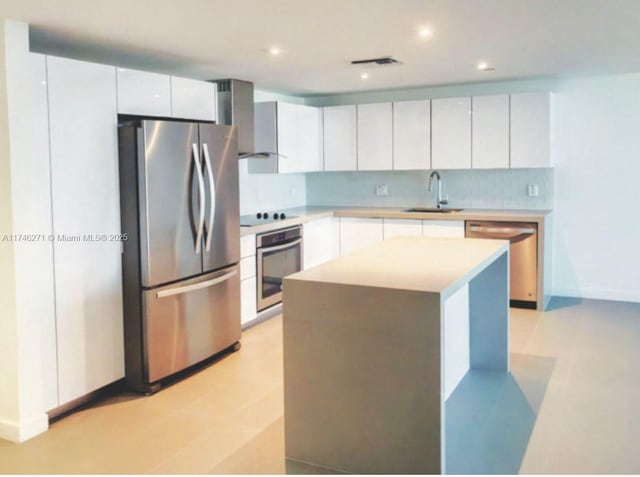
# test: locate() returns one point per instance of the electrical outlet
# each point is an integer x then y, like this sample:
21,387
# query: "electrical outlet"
382,190
532,190
292,192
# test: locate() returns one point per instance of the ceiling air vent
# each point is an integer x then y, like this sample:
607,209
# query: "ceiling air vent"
385,60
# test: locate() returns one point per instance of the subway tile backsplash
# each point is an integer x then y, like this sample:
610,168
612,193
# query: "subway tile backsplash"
475,188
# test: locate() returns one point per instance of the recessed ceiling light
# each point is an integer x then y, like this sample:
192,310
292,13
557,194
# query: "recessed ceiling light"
364,76
484,66
275,51
425,32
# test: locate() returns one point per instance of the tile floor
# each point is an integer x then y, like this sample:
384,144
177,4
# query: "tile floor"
570,405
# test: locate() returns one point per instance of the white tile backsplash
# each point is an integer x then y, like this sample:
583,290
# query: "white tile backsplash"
477,188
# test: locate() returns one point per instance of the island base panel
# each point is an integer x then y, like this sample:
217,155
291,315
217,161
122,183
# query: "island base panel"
362,378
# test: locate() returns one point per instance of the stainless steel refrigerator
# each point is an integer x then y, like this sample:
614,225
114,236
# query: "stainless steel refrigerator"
180,213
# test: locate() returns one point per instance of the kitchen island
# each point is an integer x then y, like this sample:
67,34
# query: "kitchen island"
377,340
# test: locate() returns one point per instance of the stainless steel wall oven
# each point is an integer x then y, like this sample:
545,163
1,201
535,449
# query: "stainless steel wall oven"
278,254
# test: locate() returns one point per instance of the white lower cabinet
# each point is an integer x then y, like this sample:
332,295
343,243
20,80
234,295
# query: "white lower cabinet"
85,203
248,300
443,228
359,232
248,286
402,228
319,241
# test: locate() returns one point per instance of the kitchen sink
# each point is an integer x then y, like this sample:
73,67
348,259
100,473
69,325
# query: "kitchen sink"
432,210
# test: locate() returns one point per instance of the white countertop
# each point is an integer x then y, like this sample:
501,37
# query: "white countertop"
435,265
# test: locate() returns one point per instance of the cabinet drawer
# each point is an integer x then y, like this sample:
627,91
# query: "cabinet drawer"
247,245
248,267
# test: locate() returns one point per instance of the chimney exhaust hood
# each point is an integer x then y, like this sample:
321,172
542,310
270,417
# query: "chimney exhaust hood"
235,108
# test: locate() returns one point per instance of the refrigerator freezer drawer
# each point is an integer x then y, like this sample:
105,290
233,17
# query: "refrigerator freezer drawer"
187,322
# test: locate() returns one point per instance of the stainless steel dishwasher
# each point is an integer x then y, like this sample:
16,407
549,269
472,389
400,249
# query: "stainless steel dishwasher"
523,256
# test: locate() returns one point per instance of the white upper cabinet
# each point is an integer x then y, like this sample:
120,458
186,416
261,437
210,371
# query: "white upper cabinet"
490,132
412,135
85,200
340,138
451,133
530,130
375,142
288,145
193,99
143,93
310,138
294,131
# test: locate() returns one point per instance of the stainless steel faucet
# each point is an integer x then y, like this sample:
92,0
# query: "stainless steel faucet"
441,202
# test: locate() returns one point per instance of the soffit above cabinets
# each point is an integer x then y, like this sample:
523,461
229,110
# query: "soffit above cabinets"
317,40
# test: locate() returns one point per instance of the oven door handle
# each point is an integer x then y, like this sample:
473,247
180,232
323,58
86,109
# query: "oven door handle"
275,248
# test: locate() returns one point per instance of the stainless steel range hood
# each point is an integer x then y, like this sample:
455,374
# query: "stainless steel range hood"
235,107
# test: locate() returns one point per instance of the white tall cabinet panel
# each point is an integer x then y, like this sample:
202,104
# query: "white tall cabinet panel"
359,232
412,135
310,138
530,130
375,141
26,83
402,228
143,93
319,246
85,198
340,138
490,132
193,99
451,133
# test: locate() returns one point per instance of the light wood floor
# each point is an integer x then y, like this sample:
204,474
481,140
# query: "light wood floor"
571,404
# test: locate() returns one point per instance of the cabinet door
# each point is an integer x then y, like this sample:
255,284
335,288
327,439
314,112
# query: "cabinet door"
310,138
402,228
319,240
451,133
443,228
490,132
143,93
340,138
375,124
287,134
530,130
412,135
359,232
248,300
193,99
85,202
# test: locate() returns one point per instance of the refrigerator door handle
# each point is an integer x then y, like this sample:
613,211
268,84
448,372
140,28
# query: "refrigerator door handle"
196,286
212,198
198,168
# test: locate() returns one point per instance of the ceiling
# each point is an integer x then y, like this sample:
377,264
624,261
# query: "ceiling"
215,39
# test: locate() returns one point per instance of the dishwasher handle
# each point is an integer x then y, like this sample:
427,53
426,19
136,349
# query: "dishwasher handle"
512,231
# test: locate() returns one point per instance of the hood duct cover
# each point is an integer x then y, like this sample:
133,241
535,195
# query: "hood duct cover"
236,108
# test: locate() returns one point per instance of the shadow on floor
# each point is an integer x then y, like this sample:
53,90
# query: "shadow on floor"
558,302
490,416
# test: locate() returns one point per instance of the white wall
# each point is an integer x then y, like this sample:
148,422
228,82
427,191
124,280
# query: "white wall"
596,149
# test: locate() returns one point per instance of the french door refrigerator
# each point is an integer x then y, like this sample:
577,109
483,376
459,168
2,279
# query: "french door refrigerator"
180,213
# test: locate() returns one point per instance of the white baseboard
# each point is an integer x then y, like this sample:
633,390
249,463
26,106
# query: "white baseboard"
599,294
25,429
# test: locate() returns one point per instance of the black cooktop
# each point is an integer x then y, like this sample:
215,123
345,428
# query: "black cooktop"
263,218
